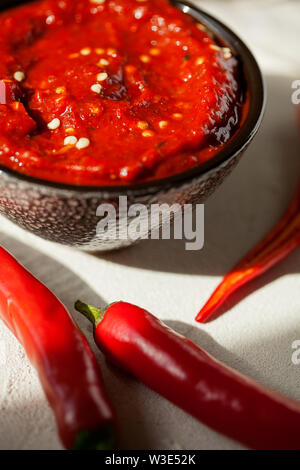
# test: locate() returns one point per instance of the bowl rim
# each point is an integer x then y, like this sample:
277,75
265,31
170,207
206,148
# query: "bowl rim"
240,140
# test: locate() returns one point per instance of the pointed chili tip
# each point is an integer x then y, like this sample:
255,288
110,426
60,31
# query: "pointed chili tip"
103,438
202,316
94,314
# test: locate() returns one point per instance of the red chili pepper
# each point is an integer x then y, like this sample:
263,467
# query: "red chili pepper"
183,373
277,245
66,366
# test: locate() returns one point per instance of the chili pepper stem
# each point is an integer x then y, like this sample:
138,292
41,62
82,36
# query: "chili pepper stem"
94,314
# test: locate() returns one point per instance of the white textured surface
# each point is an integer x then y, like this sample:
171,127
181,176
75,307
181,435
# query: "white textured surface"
255,336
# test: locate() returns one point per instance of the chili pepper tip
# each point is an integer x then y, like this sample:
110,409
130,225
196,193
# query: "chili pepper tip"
98,439
210,308
94,314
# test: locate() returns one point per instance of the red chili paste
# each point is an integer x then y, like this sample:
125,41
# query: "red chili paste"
101,92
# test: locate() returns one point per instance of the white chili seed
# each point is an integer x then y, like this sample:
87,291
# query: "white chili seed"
201,27
99,50
148,134
103,63
199,61
50,19
142,125
111,51
60,90
227,53
163,124
177,116
154,51
214,47
145,58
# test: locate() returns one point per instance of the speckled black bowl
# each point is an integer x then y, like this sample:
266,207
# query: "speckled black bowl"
67,214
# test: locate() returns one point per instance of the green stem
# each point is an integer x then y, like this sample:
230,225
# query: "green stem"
94,314
99,439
